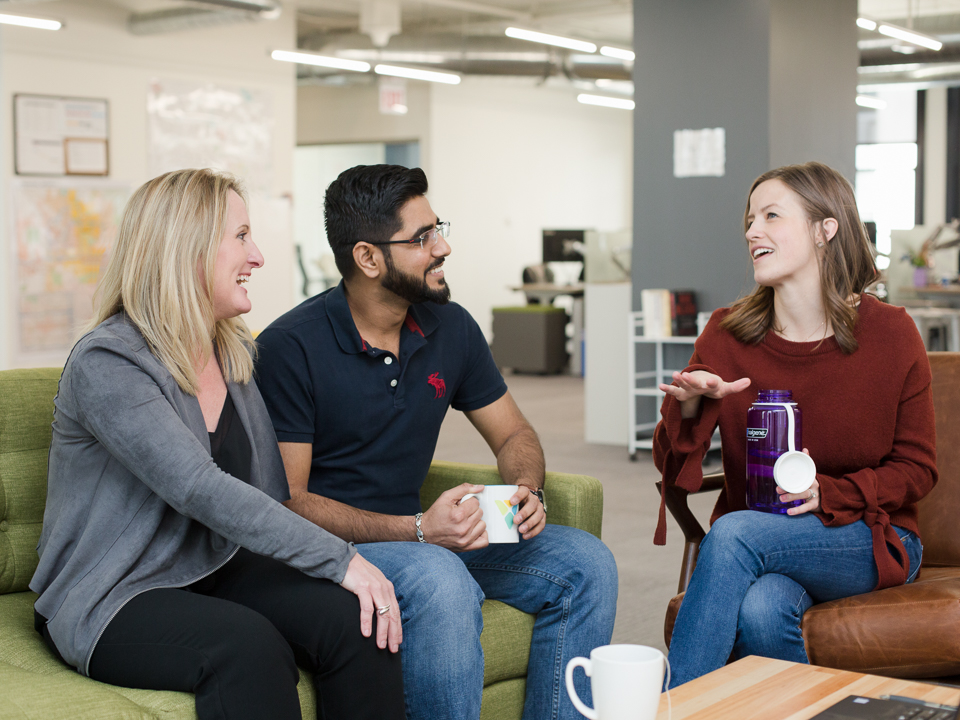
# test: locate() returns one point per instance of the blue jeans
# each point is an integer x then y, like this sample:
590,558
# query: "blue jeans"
565,576
757,574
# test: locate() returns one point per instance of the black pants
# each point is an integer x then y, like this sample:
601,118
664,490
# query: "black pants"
235,639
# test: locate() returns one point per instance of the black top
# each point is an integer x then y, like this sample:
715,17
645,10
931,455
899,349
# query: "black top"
229,445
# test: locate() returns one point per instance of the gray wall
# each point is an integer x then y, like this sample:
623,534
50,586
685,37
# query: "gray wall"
813,79
780,80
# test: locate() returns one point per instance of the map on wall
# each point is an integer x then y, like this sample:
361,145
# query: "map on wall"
62,232
193,125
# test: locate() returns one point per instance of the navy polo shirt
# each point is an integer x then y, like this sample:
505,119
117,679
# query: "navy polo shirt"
373,418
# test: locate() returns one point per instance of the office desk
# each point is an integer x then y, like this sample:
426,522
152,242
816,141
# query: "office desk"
756,688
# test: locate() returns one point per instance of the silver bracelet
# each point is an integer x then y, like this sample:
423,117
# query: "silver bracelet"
418,517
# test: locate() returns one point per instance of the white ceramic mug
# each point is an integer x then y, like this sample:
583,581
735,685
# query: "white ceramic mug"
626,681
498,513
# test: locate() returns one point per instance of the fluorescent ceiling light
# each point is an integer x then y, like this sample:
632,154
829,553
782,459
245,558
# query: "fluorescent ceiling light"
539,37
871,102
623,87
901,67
414,74
938,69
910,36
30,22
617,53
866,23
320,60
394,56
603,101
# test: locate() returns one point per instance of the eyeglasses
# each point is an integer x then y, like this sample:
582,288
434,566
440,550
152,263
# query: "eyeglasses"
426,240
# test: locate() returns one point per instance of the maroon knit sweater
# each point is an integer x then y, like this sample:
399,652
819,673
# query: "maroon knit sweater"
867,422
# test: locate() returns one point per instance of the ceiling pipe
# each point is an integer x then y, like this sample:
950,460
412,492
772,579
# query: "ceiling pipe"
194,18
257,6
478,8
487,55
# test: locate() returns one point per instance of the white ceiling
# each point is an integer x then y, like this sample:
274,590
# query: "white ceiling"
609,21
428,24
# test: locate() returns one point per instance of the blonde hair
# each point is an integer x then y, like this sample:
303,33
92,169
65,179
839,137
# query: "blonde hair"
847,264
172,226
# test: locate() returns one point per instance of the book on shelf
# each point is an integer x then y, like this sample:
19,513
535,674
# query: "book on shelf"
655,304
683,312
668,313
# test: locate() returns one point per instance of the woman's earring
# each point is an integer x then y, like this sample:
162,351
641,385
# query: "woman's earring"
819,243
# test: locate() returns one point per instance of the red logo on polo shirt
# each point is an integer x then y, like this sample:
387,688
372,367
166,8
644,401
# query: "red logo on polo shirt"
438,384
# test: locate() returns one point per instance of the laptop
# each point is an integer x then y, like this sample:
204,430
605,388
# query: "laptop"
856,707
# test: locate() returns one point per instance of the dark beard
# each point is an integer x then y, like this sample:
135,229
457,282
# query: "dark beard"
411,288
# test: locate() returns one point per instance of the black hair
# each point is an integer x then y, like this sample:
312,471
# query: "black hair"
363,205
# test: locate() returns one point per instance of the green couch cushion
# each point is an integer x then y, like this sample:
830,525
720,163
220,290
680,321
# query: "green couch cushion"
504,700
26,412
39,697
505,641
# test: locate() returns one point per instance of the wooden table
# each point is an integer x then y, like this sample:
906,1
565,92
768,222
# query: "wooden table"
757,688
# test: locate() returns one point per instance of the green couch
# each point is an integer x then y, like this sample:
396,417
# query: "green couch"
35,685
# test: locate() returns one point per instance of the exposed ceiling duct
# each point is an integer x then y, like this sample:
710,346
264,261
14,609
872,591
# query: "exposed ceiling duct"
219,12
885,61
380,19
469,55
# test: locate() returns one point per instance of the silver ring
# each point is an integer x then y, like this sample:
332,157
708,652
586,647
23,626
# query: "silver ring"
383,610
813,494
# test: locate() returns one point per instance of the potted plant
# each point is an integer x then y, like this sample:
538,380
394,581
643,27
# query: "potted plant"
921,262
922,259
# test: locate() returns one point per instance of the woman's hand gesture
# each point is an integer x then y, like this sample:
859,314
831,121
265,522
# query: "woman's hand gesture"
691,386
376,595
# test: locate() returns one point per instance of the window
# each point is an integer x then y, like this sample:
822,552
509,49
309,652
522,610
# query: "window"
886,162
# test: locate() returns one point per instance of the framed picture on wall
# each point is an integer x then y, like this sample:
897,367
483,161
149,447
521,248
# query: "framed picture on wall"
60,135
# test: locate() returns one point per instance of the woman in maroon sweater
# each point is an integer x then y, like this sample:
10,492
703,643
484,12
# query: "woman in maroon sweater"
859,371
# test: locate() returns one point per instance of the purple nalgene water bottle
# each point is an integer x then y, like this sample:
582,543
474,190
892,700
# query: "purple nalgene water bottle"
767,440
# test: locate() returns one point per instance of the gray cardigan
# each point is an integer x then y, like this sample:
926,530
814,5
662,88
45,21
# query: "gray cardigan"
134,500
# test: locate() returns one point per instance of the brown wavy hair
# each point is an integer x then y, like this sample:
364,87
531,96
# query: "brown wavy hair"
847,263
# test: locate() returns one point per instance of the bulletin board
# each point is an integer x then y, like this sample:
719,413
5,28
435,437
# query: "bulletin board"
57,136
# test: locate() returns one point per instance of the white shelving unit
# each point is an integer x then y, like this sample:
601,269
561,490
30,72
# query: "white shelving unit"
643,383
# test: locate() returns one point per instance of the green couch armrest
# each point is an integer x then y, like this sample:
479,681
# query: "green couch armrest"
573,500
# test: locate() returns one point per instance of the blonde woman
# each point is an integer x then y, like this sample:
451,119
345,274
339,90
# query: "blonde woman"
167,558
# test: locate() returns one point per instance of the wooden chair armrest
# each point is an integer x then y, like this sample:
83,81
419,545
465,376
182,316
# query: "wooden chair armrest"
693,532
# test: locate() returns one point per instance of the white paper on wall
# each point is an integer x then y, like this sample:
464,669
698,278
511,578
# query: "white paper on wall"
699,153
193,125
45,124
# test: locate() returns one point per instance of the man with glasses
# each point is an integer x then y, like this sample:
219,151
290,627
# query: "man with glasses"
357,381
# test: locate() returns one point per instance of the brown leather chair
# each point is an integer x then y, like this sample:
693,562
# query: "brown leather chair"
912,631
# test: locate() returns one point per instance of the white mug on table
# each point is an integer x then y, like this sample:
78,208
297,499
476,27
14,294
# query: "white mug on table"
626,681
